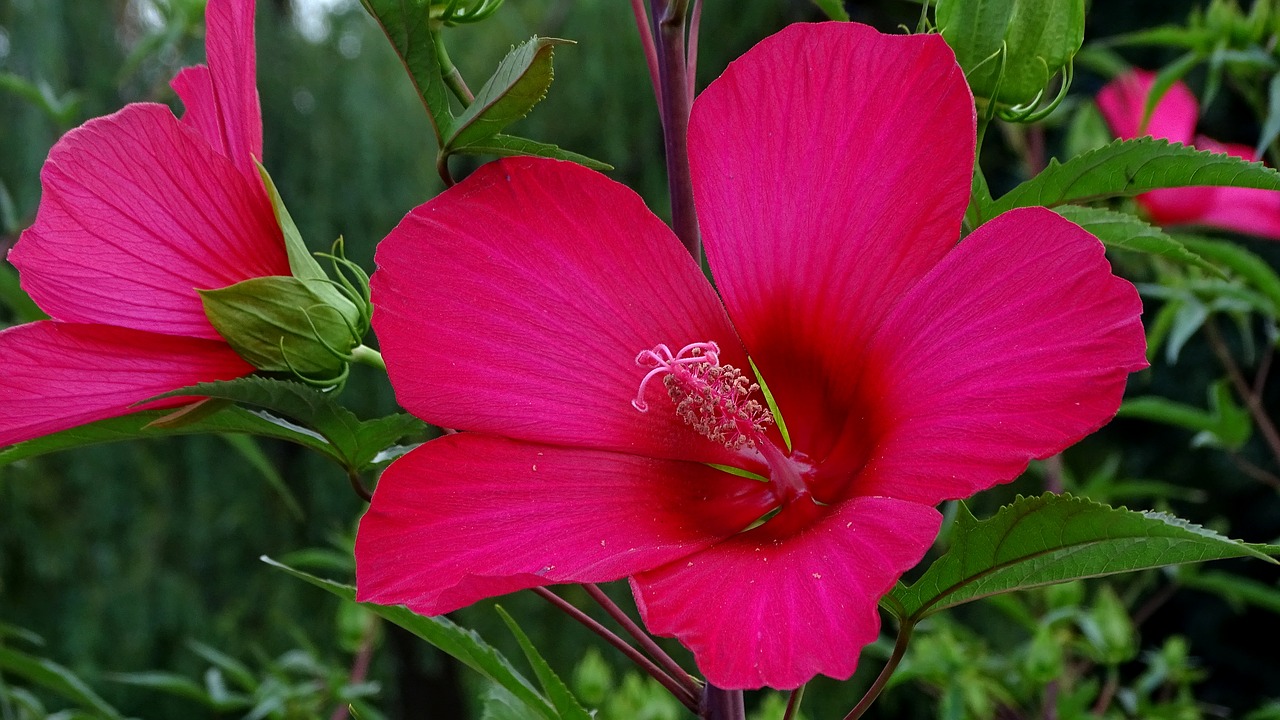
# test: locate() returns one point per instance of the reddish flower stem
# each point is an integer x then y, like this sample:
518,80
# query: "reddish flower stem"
721,704
359,667
873,692
646,642
669,19
691,55
793,704
650,50
675,688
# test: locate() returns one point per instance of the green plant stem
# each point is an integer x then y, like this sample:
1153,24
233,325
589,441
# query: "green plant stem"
646,642
366,355
673,686
452,78
793,704
873,692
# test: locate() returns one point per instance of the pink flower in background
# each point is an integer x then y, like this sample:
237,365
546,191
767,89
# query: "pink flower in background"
604,387
139,210
1245,210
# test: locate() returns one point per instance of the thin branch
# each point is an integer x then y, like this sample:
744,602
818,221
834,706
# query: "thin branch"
359,666
1264,369
669,19
1255,472
650,50
1153,603
793,704
357,484
634,655
1108,692
1252,400
691,55
646,641
873,692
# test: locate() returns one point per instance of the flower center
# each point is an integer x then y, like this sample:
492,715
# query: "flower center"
714,399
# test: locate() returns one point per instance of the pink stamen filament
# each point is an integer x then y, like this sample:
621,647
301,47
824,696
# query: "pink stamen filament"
716,400
662,361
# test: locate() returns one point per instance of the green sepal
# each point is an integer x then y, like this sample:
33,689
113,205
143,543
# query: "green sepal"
286,324
302,264
1010,49
520,82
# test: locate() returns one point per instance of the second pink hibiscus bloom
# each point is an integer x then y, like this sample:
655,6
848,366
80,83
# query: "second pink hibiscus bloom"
1245,210
541,307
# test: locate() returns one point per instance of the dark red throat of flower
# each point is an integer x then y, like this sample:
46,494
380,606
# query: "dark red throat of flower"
716,400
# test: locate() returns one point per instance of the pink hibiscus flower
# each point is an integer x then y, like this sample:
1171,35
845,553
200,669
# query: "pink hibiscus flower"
613,429
1245,210
141,209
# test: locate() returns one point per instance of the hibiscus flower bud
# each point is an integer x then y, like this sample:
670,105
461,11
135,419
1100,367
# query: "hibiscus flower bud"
287,324
461,12
1011,49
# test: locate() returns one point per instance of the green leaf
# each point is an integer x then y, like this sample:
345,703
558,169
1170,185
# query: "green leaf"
407,24
512,146
1255,271
1175,36
1051,539
140,426
1236,590
1168,75
56,678
176,685
565,703
248,449
355,443
520,82
1226,424
833,9
1122,231
236,670
1271,127
16,299
458,642
1130,167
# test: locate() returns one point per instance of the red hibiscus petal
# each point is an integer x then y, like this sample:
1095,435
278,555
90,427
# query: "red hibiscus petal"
60,375
516,303
138,212
1016,346
823,198
760,611
1245,210
469,516
1123,102
222,99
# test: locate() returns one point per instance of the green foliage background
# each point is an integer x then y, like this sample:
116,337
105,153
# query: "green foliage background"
119,555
